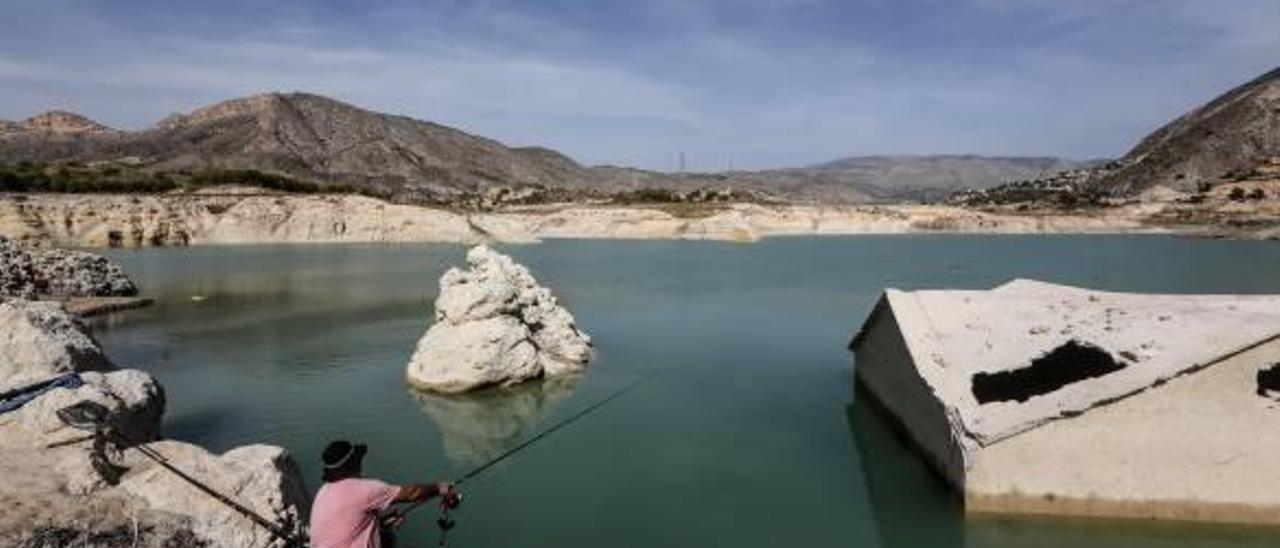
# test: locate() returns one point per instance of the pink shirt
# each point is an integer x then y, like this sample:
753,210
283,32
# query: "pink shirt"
345,513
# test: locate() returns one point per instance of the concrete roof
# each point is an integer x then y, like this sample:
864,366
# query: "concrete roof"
953,335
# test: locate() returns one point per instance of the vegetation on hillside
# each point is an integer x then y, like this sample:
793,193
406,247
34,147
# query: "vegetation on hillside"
78,178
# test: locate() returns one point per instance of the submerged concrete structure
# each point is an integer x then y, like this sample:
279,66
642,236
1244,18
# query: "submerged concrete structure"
1042,398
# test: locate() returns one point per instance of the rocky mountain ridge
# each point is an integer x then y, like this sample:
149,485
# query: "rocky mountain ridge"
316,139
1227,138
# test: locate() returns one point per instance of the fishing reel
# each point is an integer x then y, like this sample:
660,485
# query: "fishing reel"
450,501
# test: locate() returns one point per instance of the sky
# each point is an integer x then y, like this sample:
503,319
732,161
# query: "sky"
747,84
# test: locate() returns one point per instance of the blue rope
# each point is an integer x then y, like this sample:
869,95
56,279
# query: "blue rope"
16,398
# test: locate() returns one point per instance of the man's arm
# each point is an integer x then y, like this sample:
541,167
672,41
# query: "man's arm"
417,492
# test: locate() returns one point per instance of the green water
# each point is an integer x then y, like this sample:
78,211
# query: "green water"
748,437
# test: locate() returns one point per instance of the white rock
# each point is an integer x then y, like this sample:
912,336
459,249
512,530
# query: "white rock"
262,478
495,325
133,399
39,340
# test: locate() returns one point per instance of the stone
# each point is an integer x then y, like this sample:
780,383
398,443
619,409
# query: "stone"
39,340
1043,398
262,478
495,325
26,273
17,272
51,488
133,399
65,272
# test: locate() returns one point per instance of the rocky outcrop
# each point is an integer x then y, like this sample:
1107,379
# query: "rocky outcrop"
1229,136
26,273
40,339
495,325
133,400
1043,398
17,271
62,122
171,220
264,478
54,490
77,273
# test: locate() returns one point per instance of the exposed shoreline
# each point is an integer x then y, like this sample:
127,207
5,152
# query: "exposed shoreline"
116,220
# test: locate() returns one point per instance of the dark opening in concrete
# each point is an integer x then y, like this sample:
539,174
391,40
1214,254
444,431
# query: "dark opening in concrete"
1269,380
1070,363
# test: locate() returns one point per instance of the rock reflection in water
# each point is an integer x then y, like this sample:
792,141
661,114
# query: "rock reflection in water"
479,426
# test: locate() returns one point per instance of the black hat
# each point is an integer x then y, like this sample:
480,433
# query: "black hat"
343,454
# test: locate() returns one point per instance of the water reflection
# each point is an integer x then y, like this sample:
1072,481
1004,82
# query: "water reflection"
912,507
477,427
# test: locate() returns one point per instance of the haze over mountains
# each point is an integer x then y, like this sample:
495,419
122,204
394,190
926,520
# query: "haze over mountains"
314,138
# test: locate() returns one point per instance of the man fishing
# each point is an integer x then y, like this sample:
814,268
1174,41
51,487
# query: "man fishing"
348,509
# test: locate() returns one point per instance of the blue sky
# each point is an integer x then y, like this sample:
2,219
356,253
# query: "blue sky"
759,83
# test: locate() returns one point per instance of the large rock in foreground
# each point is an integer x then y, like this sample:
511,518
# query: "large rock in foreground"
39,340
495,325
1043,398
52,494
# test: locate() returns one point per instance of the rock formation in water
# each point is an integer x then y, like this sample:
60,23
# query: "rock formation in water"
53,493
495,325
26,273
1043,398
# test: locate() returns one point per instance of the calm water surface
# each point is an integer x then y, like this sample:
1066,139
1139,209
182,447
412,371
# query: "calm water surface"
748,437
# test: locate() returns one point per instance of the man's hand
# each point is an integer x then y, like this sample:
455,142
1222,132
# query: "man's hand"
416,492
443,488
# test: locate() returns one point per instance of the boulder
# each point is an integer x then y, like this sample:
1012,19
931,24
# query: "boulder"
133,399
24,273
64,272
495,325
262,478
39,340
17,272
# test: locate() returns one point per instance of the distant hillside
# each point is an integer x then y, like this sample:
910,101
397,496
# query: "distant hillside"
1226,138
303,136
315,139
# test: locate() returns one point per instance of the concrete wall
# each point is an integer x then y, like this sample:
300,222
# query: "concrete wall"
884,366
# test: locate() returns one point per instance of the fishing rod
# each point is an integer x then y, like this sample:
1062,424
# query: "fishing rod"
454,499
90,415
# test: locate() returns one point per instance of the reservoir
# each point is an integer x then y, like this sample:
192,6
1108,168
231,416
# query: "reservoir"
750,434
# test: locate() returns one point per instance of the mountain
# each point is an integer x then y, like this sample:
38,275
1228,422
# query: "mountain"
317,139
1232,134
303,136
933,177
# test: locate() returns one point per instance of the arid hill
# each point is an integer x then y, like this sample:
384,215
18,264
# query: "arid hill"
319,140
1226,139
